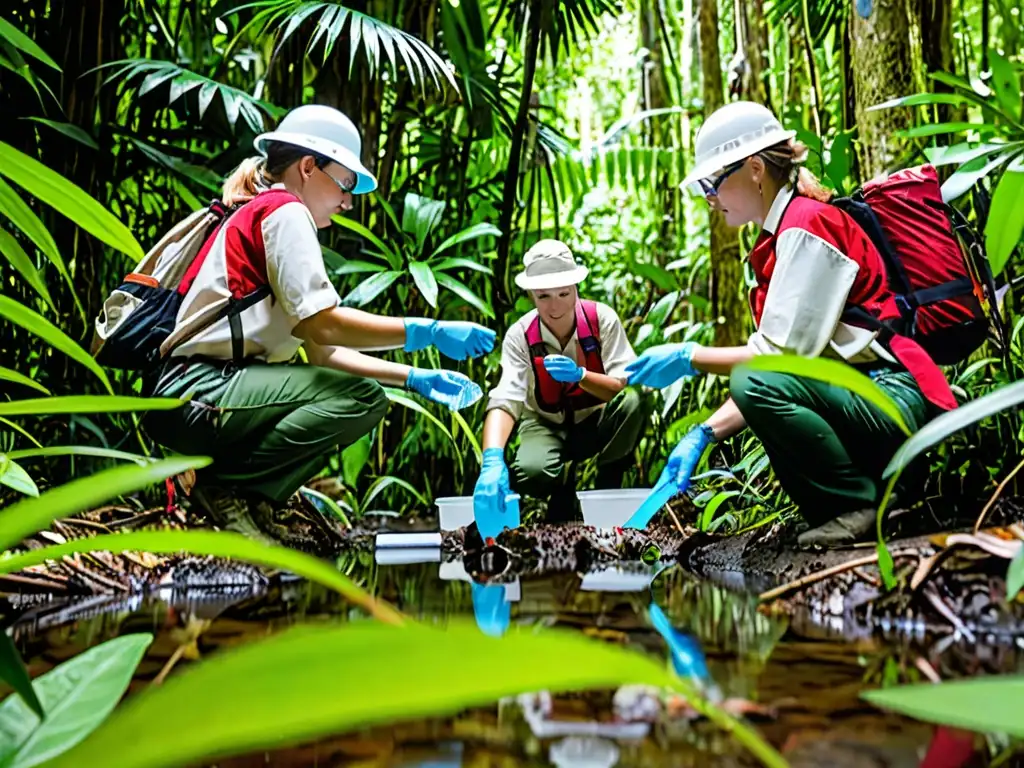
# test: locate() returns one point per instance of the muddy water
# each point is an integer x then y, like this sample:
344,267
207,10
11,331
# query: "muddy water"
801,689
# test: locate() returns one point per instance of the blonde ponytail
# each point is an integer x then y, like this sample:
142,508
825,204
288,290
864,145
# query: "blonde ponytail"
784,163
245,182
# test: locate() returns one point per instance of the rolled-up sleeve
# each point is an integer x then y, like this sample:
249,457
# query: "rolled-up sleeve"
806,295
511,391
295,263
616,351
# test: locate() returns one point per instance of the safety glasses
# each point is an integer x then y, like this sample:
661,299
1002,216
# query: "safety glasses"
344,186
709,186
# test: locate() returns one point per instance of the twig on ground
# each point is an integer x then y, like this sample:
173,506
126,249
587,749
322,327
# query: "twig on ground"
995,495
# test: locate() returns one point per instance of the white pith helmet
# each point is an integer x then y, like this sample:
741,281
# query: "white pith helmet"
732,133
550,264
326,131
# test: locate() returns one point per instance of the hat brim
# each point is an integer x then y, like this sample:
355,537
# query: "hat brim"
552,280
365,181
716,163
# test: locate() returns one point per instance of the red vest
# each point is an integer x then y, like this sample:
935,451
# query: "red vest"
870,287
555,396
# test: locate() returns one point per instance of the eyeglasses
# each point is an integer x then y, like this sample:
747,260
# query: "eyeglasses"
710,186
344,186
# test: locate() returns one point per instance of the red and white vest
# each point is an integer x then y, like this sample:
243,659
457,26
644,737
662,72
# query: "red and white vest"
554,396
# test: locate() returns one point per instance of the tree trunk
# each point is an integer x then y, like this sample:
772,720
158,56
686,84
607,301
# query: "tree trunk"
883,69
727,306
935,20
751,24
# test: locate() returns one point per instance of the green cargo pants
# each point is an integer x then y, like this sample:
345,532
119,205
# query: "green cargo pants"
827,446
545,448
268,428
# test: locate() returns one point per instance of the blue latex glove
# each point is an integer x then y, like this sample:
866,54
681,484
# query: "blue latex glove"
563,369
662,365
456,339
490,609
445,387
490,492
687,657
684,457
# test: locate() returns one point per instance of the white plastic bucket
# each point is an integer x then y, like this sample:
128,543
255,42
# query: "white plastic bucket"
611,508
455,512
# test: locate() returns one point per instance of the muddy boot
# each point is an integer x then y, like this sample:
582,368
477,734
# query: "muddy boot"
849,528
229,512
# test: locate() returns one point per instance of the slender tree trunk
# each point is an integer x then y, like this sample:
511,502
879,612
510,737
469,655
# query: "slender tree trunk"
882,70
935,20
727,306
754,31
502,297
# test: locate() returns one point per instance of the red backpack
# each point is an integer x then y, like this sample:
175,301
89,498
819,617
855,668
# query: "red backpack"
935,261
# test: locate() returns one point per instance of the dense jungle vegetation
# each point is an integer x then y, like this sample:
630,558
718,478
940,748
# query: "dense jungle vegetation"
490,124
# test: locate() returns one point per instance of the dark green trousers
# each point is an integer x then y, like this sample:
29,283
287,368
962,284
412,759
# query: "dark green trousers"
268,428
544,448
827,446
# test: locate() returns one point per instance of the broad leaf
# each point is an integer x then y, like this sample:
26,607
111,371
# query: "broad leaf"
918,99
465,293
45,406
301,684
24,43
1005,222
470,233
14,673
353,459
971,173
1005,83
423,276
69,199
68,129
51,334
1015,575
832,372
397,396
331,504
20,260
14,476
77,695
78,450
459,262
32,515
217,544
354,226
987,704
381,484
937,129
21,216
420,216
965,152
945,424
370,288
6,374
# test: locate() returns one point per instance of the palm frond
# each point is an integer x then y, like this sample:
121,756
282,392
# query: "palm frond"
823,16
334,22
181,82
564,23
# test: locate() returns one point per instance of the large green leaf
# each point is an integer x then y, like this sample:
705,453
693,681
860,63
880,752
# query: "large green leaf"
354,226
21,216
1015,575
78,450
87,404
1005,83
470,233
77,695
370,288
836,373
68,198
397,396
16,255
423,276
381,484
937,129
6,374
966,151
945,424
353,459
24,43
1005,219
217,544
988,705
302,684
458,262
13,672
31,515
35,323
68,129
14,476
465,293
972,172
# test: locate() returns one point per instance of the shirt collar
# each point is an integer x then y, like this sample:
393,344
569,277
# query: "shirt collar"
549,338
774,217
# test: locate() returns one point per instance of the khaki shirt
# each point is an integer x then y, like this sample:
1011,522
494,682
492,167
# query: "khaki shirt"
515,391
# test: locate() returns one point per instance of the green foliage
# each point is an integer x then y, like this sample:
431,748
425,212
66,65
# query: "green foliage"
988,705
13,672
77,696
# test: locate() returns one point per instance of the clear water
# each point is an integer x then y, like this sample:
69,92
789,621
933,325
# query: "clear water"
801,680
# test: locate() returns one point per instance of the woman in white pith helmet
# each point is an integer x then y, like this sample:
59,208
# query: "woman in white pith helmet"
828,446
270,426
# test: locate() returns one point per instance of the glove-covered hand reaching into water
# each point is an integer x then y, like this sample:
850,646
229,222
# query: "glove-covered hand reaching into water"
456,339
490,492
445,387
662,365
684,457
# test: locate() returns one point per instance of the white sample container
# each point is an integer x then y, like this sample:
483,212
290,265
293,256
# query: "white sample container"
408,540
457,511
611,508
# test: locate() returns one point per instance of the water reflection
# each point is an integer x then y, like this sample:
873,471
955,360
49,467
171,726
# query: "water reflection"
803,696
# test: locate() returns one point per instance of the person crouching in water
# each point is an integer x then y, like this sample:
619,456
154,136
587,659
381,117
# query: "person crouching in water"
563,383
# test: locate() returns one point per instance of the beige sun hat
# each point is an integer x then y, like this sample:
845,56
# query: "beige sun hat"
550,264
